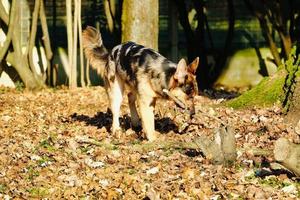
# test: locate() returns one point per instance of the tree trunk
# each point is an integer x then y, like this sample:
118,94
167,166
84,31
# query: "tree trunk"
292,87
140,22
293,115
268,37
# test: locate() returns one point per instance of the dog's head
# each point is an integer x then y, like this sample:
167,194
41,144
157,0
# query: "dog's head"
183,84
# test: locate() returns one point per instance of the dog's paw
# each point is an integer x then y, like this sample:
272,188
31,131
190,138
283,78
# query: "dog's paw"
151,137
117,132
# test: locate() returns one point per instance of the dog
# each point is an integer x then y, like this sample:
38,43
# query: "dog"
144,71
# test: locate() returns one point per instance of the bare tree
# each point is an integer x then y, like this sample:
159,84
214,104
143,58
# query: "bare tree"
22,61
74,30
281,17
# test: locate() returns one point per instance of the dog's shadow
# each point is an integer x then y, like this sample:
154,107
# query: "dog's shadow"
104,119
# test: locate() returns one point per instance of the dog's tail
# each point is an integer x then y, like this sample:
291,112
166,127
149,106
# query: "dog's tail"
94,49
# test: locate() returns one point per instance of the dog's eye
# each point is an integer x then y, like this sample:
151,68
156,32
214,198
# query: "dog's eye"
186,77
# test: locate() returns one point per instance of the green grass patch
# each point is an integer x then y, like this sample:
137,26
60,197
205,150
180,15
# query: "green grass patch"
38,192
132,171
20,86
3,188
45,161
84,149
32,172
273,181
48,143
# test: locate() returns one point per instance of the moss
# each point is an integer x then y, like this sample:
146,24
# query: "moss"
293,69
267,93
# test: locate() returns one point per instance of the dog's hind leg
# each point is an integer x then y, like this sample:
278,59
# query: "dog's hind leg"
115,93
133,112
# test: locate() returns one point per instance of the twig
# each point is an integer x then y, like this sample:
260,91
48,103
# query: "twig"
175,99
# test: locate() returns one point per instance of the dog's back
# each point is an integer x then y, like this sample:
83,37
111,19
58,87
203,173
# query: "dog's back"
130,61
134,62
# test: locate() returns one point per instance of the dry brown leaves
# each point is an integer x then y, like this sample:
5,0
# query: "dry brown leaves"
57,144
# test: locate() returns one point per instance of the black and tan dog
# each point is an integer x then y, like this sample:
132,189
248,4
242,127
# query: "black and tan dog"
144,71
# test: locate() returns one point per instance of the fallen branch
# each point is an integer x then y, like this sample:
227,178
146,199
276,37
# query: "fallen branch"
221,149
258,151
288,154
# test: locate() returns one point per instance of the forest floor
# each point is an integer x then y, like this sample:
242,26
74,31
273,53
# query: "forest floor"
57,144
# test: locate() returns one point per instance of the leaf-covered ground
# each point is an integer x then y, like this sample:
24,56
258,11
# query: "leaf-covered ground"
56,144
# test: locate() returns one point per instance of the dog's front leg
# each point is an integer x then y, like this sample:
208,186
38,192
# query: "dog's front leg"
146,106
116,96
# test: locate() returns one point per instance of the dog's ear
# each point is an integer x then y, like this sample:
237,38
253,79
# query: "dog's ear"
181,71
193,66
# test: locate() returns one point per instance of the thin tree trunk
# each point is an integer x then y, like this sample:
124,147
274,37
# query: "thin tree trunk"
54,15
3,15
268,37
287,43
11,27
109,13
222,58
82,82
70,40
46,37
75,41
173,30
33,32
189,35
203,72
